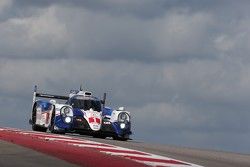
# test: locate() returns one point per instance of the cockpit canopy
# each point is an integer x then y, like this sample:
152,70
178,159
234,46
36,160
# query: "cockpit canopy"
85,103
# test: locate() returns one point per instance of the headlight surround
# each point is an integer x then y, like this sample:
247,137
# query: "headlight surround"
66,111
123,117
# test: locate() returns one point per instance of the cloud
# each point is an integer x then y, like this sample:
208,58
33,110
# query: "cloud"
88,35
181,33
146,9
33,37
5,4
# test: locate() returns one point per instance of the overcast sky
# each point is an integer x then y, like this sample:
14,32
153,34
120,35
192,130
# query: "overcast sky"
182,68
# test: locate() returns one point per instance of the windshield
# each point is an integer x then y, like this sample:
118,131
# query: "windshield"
86,104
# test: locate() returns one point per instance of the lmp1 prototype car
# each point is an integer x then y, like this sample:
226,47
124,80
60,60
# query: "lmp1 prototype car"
82,113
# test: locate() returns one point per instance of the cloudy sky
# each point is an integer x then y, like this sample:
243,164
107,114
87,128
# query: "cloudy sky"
181,67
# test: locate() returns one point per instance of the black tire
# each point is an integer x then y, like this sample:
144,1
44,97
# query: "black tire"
120,138
100,136
51,128
38,128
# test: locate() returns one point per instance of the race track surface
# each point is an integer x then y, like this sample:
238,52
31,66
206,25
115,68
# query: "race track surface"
107,151
207,158
12,155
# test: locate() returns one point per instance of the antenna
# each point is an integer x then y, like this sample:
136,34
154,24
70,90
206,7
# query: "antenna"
81,88
104,99
35,88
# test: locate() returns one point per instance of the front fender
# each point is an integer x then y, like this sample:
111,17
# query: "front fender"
58,120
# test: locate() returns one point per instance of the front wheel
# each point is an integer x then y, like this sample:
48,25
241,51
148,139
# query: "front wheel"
52,126
99,136
52,130
120,138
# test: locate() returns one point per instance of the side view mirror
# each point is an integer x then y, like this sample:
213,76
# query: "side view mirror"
121,109
52,101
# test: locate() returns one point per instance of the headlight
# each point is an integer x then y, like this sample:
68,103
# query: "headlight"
66,111
67,119
123,117
122,125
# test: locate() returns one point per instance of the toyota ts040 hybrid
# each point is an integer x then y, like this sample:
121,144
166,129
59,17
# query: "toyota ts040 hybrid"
79,112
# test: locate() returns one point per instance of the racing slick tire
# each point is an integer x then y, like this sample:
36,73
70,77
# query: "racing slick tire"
99,136
52,130
38,128
120,138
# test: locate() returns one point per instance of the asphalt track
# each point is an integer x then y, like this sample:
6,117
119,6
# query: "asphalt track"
13,155
207,158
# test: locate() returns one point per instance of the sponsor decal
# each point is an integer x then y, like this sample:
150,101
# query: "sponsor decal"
94,120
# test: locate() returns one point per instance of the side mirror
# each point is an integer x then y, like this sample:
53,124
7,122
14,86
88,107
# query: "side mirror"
52,101
121,109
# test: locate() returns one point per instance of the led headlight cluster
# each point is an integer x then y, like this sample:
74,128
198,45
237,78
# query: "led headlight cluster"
67,119
122,125
67,113
123,117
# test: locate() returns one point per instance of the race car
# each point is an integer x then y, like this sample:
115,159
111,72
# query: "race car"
82,113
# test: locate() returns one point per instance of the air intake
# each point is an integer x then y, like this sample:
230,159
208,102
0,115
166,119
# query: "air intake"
87,93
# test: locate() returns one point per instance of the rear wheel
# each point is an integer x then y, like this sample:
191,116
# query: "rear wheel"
52,123
38,128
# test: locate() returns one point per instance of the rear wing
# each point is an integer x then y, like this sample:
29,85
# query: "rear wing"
45,95
51,96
